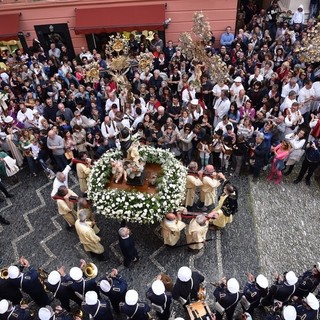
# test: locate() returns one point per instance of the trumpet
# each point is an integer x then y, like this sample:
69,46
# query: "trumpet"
90,270
4,274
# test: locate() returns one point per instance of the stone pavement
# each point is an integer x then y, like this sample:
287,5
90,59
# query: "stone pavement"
274,229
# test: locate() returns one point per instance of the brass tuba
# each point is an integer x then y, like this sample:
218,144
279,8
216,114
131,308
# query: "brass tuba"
90,270
4,274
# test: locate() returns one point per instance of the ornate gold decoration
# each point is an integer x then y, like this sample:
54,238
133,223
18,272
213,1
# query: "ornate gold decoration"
194,47
310,50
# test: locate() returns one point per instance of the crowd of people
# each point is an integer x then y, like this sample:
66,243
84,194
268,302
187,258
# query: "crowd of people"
52,114
62,295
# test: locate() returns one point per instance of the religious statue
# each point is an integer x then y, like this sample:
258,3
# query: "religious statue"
133,153
118,170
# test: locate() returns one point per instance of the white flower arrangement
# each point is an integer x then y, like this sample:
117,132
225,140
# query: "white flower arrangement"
136,206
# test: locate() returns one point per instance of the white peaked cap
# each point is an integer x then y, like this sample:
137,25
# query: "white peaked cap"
105,285
44,314
289,313
262,281
312,301
184,274
91,298
54,277
13,272
291,278
158,287
4,305
76,273
131,297
233,285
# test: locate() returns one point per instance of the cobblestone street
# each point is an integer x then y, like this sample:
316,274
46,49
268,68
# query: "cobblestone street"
275,229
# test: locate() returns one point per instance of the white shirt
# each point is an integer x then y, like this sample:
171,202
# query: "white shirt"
287,103
287,88
295,142
217,90
57,183
186,97
222,106
137,120
253,76
109,131
22,117
234,90
222,126
109,103
304,95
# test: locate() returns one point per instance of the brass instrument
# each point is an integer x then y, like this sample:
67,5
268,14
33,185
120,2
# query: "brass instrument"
77,314
25,303
202,293
4,274
90,270
43,275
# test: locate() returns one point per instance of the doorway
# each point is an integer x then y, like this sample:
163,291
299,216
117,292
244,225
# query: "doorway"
55,33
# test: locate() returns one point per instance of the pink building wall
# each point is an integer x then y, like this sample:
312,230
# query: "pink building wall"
220,13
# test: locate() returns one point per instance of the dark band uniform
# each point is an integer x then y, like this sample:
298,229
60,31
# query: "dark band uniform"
183,289
17,313
227,300
9,291
84,285
281,291
64,293
138,311
99,311
253,294
305,313
117,291
307,283
28,281
164,301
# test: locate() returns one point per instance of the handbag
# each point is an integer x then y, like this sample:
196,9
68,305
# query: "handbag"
245,303
219,308
10,165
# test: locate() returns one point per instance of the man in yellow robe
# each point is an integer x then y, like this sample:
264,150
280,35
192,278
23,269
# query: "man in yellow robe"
210,183
193,181
171,227
66,205
87,236
227,206
196,232
83,171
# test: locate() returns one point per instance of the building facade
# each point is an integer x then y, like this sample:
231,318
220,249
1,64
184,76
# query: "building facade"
79,23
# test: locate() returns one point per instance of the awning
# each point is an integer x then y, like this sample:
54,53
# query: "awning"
9,26
114,19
